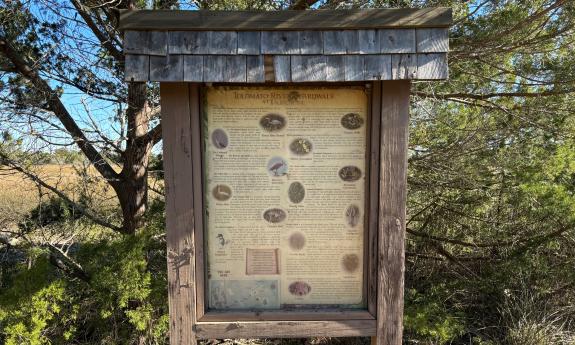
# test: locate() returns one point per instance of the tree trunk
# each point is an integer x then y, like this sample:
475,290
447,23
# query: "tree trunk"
132,189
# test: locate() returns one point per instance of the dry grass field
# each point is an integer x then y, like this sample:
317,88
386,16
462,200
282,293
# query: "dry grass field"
20,194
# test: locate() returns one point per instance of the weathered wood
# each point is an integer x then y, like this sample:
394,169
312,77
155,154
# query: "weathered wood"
373,220
177,109
137,67
335,68
285,20
196,98
392,205
432,66
235,71
397,41
255,69
146,42
269,73
223,42
193,68
135,42
158,43
377,67
351,41
403,66
324,314
280,42
167,68
308,68
340,42
282,68
301,68
333,42
368,41
249,42
353,67
214,67
435,40
285,329
188,42
310,42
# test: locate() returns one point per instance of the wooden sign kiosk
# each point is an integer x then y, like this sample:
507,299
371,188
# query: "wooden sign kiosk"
285,151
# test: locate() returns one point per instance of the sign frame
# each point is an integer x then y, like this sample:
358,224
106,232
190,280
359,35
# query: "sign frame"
388,109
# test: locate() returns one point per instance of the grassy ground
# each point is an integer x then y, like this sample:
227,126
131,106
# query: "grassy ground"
19,194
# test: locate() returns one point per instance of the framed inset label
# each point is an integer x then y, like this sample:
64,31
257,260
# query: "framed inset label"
285,196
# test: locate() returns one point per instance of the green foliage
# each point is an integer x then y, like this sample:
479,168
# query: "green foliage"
53,210
121,302
35,302
426,318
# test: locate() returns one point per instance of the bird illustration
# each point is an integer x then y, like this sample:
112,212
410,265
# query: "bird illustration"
275,168
222,192
275,122
219,144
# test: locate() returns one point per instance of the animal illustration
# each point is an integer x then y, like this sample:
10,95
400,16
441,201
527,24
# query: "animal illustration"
222,191
222,241
276,167
352,215
274,215
220,139
218,143
272,122
350,173
299,288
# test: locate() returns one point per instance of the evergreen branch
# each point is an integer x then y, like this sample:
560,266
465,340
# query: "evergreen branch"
106,41
57,107
492,95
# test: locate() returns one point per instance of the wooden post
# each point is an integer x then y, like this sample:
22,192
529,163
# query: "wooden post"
177,110
392,204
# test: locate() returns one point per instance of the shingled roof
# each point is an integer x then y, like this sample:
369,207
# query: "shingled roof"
286,46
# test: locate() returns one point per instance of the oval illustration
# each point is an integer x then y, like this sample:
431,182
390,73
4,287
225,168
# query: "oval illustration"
220,139
222,192
277,166
301,146
272,122
350,173
297,241
275,215
352,215
296,192
351,121
299,288
350,263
